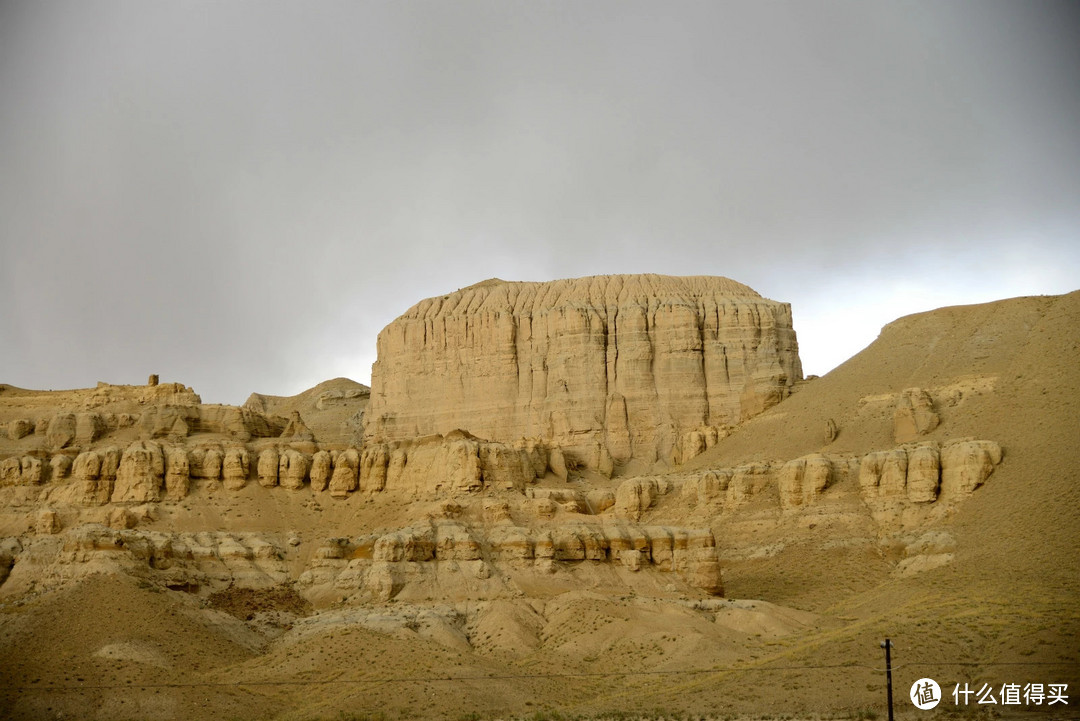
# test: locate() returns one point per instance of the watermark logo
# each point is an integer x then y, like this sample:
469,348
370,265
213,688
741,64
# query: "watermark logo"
925,693
1013,694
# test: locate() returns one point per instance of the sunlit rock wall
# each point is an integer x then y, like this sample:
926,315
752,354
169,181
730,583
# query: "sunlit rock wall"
625,362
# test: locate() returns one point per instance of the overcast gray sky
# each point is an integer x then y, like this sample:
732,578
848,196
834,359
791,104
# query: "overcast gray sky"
239,196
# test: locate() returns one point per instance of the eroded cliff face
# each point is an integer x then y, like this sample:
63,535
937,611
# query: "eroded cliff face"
629,363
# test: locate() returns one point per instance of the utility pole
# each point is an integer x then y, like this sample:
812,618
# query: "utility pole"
887,645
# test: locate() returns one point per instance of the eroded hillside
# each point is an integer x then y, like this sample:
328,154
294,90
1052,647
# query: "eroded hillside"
273,561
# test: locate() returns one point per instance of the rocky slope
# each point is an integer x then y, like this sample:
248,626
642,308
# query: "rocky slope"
608,367
333,410
925,490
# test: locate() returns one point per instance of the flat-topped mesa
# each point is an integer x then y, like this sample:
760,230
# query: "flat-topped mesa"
626,362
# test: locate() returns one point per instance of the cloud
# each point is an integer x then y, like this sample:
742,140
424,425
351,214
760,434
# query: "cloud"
240,197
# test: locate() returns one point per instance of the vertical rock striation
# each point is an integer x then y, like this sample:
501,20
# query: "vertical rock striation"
628,362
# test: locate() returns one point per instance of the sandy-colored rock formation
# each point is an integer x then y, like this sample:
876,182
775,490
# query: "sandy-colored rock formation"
694,443
889,479
635,496
331,412
94,475
25,471
629,362
965,465
923,473
180,420
382,565
267,467
914,415
89,427
436,465
206,463
235,467
803,479
345,477
297,430
320,471
48,522
60,466
61,430
457,556
19,428
141,473
177,473
293,468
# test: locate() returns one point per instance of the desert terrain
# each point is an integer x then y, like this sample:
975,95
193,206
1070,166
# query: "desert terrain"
613,497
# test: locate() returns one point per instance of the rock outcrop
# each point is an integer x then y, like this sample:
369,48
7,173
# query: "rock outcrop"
344,479
268,467
25,471
19,428
94,475
435,466
803,480
901,477
628,362
61,430
293,469
297,429
141,474
965,465
320,471
177,473
206,463
635,496
924,473
694,443
180,420
914,415
235,467
380,566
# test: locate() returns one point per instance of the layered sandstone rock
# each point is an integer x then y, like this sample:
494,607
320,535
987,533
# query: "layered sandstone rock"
965,465
694,443
803,480
25,471
725,489
346,473
635,496
435,466
235,467
48,522
206,463
141,473
293,469
60,467
924,473
89,427
268,467
180,420
19,428
94,473
177,473
383,564
897,478
297,430
61,430
914,415
320,471
628,362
